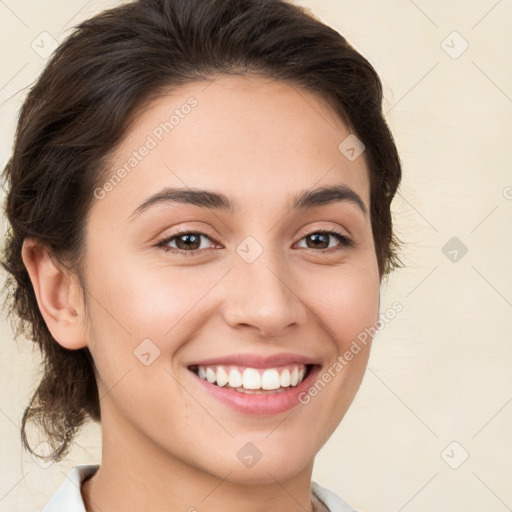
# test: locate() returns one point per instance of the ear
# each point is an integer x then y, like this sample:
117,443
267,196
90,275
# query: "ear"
58,295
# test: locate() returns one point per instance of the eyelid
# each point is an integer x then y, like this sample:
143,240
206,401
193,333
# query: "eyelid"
345,240
327,229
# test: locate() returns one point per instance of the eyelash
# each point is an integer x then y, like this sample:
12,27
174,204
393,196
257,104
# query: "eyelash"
345,242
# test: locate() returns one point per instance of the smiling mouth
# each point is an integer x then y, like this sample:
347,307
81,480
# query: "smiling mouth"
253,380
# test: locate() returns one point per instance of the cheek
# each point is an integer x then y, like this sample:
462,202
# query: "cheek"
145,300
345,301
158,302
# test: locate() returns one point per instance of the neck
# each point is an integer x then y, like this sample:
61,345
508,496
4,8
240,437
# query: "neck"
137,475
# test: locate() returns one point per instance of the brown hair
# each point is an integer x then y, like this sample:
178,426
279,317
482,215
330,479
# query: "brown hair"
92,88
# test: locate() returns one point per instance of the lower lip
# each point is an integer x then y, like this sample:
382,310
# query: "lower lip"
272,403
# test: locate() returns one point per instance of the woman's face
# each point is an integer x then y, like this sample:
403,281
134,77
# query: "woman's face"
250,295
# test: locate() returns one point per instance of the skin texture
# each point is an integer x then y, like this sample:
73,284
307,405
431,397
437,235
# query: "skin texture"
167,445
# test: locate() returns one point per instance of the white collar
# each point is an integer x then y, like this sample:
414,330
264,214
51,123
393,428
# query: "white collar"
68,497
331,500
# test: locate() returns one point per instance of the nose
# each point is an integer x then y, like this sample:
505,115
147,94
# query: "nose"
264,296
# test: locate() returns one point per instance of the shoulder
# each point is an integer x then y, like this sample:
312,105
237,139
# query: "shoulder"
68,496
331,500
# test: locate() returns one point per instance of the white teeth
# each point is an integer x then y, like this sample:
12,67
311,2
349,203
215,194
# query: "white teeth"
285,378
222,377
294,377
210,375
235,378
251,379
270,379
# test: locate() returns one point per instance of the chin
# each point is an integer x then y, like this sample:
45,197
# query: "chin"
262,461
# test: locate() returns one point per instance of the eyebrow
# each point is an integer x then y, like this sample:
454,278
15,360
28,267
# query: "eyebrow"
219,201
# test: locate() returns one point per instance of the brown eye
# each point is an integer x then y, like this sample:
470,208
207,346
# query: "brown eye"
321,240
186,241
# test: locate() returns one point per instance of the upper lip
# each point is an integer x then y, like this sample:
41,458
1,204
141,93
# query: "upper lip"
256,360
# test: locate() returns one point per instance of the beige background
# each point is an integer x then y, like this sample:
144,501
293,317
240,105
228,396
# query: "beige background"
440,371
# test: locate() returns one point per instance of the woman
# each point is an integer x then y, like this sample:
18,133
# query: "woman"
199,196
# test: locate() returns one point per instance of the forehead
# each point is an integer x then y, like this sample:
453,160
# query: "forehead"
257,139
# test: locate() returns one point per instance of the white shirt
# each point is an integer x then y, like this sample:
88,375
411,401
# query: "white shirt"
69,499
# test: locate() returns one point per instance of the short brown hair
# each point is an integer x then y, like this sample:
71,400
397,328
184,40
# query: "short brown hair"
94,85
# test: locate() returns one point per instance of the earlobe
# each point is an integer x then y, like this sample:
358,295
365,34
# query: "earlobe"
57,295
